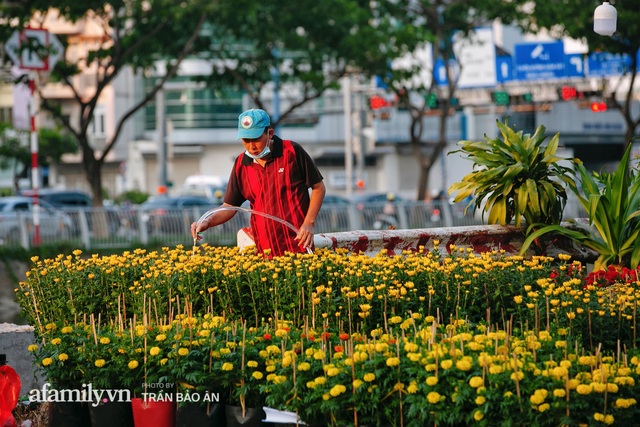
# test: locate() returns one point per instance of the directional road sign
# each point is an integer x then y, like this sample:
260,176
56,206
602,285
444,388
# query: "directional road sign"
34,49
574,65
603,64
539,61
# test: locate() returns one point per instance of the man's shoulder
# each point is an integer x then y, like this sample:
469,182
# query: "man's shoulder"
296,146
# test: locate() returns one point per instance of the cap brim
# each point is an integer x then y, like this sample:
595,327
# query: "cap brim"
249,133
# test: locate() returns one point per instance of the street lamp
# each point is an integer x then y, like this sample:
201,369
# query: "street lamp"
604,19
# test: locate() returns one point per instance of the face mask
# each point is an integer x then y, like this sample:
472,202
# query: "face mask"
265,152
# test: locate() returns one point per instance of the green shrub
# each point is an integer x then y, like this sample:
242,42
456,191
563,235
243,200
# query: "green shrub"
515,177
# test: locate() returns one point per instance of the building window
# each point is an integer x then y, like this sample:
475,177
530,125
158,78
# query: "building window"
6,115
97,123
197,108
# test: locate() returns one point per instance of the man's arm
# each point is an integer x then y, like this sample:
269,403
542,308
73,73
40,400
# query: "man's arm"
305,234
216,218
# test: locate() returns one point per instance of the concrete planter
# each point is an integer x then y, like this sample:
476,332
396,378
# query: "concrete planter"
482,238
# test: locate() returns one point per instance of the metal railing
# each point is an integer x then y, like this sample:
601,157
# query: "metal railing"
101,228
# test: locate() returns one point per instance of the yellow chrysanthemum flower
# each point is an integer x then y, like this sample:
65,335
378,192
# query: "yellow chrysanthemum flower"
433,397
474,382
393,361
304,366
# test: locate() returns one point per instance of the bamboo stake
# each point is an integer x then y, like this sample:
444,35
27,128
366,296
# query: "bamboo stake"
515,371
242,400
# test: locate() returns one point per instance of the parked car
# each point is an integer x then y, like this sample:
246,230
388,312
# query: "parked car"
17,212
173,214
75,202
61,198
334,199
212,187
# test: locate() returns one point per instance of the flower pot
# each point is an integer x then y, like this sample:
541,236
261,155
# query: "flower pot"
111,414
148,413
198,415
69,414
252,417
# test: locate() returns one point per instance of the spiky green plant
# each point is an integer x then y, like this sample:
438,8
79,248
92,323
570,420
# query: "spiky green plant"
515,176
612,203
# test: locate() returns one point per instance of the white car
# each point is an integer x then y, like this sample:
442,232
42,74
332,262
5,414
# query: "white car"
16,220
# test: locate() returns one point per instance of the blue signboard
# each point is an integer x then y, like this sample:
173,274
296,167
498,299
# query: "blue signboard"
440,72
504,68
574,65
539,61
603,64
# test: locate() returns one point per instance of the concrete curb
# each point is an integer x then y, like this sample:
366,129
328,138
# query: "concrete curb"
14,340
481,238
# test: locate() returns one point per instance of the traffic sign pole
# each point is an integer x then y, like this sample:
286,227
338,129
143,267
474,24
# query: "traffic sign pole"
35,175
34,49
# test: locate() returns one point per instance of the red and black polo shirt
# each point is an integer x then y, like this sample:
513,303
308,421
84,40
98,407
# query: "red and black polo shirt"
280,189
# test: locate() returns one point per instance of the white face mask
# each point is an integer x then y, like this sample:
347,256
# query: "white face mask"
265,152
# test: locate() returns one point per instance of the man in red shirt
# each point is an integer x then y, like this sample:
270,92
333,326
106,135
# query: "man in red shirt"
274,175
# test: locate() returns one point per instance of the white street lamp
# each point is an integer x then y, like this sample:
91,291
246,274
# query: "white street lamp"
604,19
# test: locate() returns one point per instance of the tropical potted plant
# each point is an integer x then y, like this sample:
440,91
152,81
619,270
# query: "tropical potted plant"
515,176
612,203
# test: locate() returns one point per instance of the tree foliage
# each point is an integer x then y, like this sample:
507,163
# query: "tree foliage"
310,44
135,33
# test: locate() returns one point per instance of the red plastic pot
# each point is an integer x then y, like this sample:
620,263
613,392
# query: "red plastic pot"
149,413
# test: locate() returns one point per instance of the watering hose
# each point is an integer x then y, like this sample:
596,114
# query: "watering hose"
210,212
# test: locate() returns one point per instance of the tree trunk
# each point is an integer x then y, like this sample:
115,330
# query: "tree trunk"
426,161
93,173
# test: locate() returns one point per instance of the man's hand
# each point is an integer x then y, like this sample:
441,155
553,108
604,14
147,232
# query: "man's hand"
305,236
197,229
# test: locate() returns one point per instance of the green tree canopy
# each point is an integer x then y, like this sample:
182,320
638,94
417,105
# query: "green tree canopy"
312,44
137,34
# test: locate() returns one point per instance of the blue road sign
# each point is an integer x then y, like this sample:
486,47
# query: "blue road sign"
603,64
574,65
440,72
504,68
539,61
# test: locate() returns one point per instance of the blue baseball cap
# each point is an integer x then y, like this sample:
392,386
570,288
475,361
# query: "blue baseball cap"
251,124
